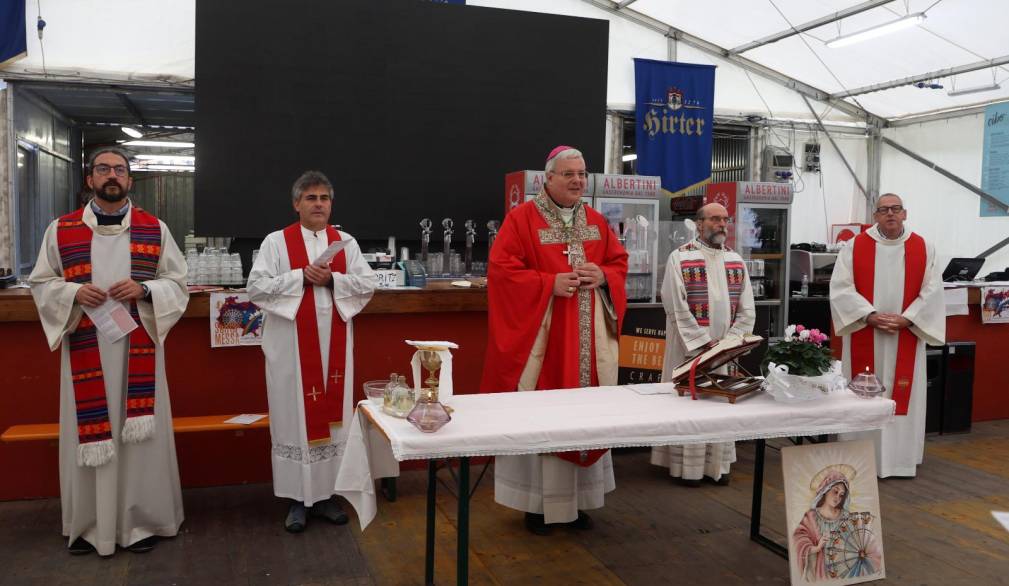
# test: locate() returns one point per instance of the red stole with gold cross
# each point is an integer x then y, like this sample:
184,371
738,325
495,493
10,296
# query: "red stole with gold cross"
322,394
863,341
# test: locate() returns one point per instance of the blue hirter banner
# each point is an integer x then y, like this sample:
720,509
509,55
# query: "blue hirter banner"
995,158
13,43
675,110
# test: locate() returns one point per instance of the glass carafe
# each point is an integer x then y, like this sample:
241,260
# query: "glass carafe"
428,414
401,400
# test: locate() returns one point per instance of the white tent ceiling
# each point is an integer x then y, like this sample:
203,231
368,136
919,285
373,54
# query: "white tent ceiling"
955,32
153,40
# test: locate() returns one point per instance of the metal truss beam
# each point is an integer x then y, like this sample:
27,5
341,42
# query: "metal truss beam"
949,175
752,66
806,26
939,73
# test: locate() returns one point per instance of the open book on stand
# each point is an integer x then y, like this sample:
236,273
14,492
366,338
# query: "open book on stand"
697,375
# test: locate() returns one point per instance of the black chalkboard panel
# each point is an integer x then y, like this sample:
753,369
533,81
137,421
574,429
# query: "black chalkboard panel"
413,109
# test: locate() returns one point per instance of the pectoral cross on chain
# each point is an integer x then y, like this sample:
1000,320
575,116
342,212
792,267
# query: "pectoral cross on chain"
314,394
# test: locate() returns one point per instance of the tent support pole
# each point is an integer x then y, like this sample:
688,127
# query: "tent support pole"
819,123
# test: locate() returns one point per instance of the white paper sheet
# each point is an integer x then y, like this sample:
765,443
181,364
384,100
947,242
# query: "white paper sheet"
1002,517
246,418
331,251
956,301
112,319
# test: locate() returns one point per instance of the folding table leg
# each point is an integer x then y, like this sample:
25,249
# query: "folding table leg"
432,487
758,495
388,487
462,561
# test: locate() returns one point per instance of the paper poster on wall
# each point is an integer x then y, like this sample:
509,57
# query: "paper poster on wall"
995,305
642,346
995,158
832,511
235,321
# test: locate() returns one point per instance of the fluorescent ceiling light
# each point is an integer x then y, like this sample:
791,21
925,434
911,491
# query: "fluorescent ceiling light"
974,90
878,30
168,158
131,132
166,168
160,143
630,157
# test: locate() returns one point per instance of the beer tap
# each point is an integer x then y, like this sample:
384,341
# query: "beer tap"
492,228
447,224
425,238
470,239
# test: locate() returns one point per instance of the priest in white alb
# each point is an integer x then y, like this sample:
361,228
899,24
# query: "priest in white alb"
886,299
310,301
707,297
119,479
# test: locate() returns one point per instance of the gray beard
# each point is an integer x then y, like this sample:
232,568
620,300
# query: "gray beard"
715,240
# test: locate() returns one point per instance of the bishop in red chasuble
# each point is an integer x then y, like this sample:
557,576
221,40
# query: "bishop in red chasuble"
556,300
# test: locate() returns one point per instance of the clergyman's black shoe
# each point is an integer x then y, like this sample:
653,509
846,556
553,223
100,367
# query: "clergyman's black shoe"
723,480
80,546
583,522
297,518
329,510
144,545
691,482
536,524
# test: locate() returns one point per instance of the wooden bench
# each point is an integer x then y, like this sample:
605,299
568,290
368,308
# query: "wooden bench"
51,431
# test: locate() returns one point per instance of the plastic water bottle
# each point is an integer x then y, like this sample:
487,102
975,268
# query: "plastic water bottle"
804,289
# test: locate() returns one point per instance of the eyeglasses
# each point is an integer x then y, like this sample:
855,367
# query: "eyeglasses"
106,169
573,174
883,210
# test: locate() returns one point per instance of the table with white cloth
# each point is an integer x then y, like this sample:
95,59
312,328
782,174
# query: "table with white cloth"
573,420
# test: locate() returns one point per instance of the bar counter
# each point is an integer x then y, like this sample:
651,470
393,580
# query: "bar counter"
216,381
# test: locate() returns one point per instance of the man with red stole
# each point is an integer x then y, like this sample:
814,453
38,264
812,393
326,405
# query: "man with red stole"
119,479
556,300
308,342
886,300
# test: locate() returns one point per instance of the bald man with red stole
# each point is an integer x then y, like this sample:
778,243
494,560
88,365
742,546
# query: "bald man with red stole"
886,300
556,300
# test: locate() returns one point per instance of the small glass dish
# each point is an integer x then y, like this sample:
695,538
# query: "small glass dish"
374,390
865,385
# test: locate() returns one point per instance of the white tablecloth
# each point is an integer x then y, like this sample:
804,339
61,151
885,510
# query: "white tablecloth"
581,419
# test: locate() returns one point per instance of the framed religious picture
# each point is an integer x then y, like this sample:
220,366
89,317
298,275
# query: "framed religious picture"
832,509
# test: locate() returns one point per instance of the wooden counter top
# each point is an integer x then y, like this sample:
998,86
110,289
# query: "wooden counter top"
17,305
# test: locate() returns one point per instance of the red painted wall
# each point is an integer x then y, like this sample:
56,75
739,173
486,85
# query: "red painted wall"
990,379
205,381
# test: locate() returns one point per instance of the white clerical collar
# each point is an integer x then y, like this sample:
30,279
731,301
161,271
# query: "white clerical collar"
566,215
876,233
306,232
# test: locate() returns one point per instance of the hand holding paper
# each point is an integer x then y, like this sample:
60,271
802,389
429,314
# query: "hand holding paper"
331,251
112,319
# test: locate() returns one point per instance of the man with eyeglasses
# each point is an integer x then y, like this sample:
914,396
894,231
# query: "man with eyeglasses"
707,297
556,298
119,479
309,347
886,300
